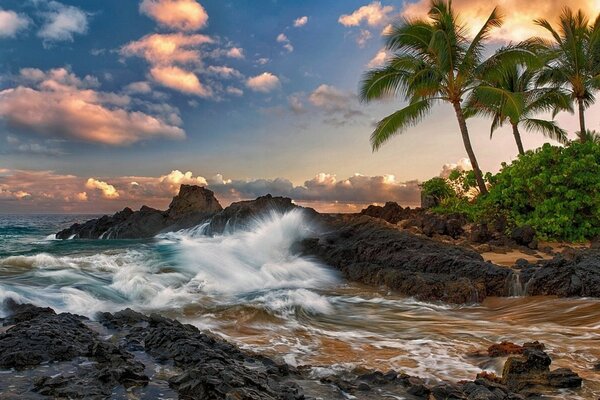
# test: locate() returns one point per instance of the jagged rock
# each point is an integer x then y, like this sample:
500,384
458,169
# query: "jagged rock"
370,251
241,214
523,235
41,336
576,275
190,207
533,369
391,212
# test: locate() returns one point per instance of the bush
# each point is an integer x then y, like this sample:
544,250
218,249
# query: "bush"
438,188
556,190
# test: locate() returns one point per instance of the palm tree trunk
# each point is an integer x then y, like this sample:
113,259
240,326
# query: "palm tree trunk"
582,130
467,142
517,136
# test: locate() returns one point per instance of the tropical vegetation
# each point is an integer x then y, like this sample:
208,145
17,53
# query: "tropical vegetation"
554,189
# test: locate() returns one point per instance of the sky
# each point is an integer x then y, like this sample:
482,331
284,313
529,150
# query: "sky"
113,103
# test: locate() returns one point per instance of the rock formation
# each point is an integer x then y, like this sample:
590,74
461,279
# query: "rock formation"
189,208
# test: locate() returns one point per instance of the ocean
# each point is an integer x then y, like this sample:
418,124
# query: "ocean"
250,288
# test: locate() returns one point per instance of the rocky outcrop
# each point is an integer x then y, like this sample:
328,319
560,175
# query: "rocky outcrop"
239,215
532,369
130,355
373,252
577,275
190,207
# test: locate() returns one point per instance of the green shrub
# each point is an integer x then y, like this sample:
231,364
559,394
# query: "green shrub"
554,189
438,188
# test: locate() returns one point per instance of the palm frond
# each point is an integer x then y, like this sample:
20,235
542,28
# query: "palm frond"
397,122
547,128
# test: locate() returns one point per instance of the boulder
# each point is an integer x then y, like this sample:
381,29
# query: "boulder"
523,235
533,369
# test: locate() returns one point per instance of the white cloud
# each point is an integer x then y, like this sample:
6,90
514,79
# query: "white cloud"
62,22
265,82
234,91
282,38
12,23
378,60
167,49
363,37
224,72
184,15
372,15
235,52
141,87
179,79
108,191
60,104
464,164
298,22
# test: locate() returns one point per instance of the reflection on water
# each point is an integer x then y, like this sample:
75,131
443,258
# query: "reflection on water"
250,288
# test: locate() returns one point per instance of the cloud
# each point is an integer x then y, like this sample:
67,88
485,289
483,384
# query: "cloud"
234,91
363,37
298,22
12,23
372,15
63,22
46,148
57,103
179,79
141,87
265,82
224,72
235,52
43,191
183,15
167,49
108,191
296,104
518,25
462,165
282,38
379,59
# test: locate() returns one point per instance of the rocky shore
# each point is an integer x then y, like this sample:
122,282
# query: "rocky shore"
413,252
129,355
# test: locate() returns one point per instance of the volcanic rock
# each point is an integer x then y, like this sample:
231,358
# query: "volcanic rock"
565,276
189,208
373,252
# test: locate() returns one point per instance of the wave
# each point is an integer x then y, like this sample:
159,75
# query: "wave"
256,265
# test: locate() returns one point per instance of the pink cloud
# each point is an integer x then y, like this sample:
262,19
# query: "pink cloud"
59,104
184,15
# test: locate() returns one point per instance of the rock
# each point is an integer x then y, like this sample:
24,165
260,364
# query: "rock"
576,276
533,369
190,207
41,337
523,235
193,199
372,252
241,214
480,233
504,349
391,212
428,201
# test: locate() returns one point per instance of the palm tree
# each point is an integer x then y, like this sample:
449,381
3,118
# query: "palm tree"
433,61
508,95
575,48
